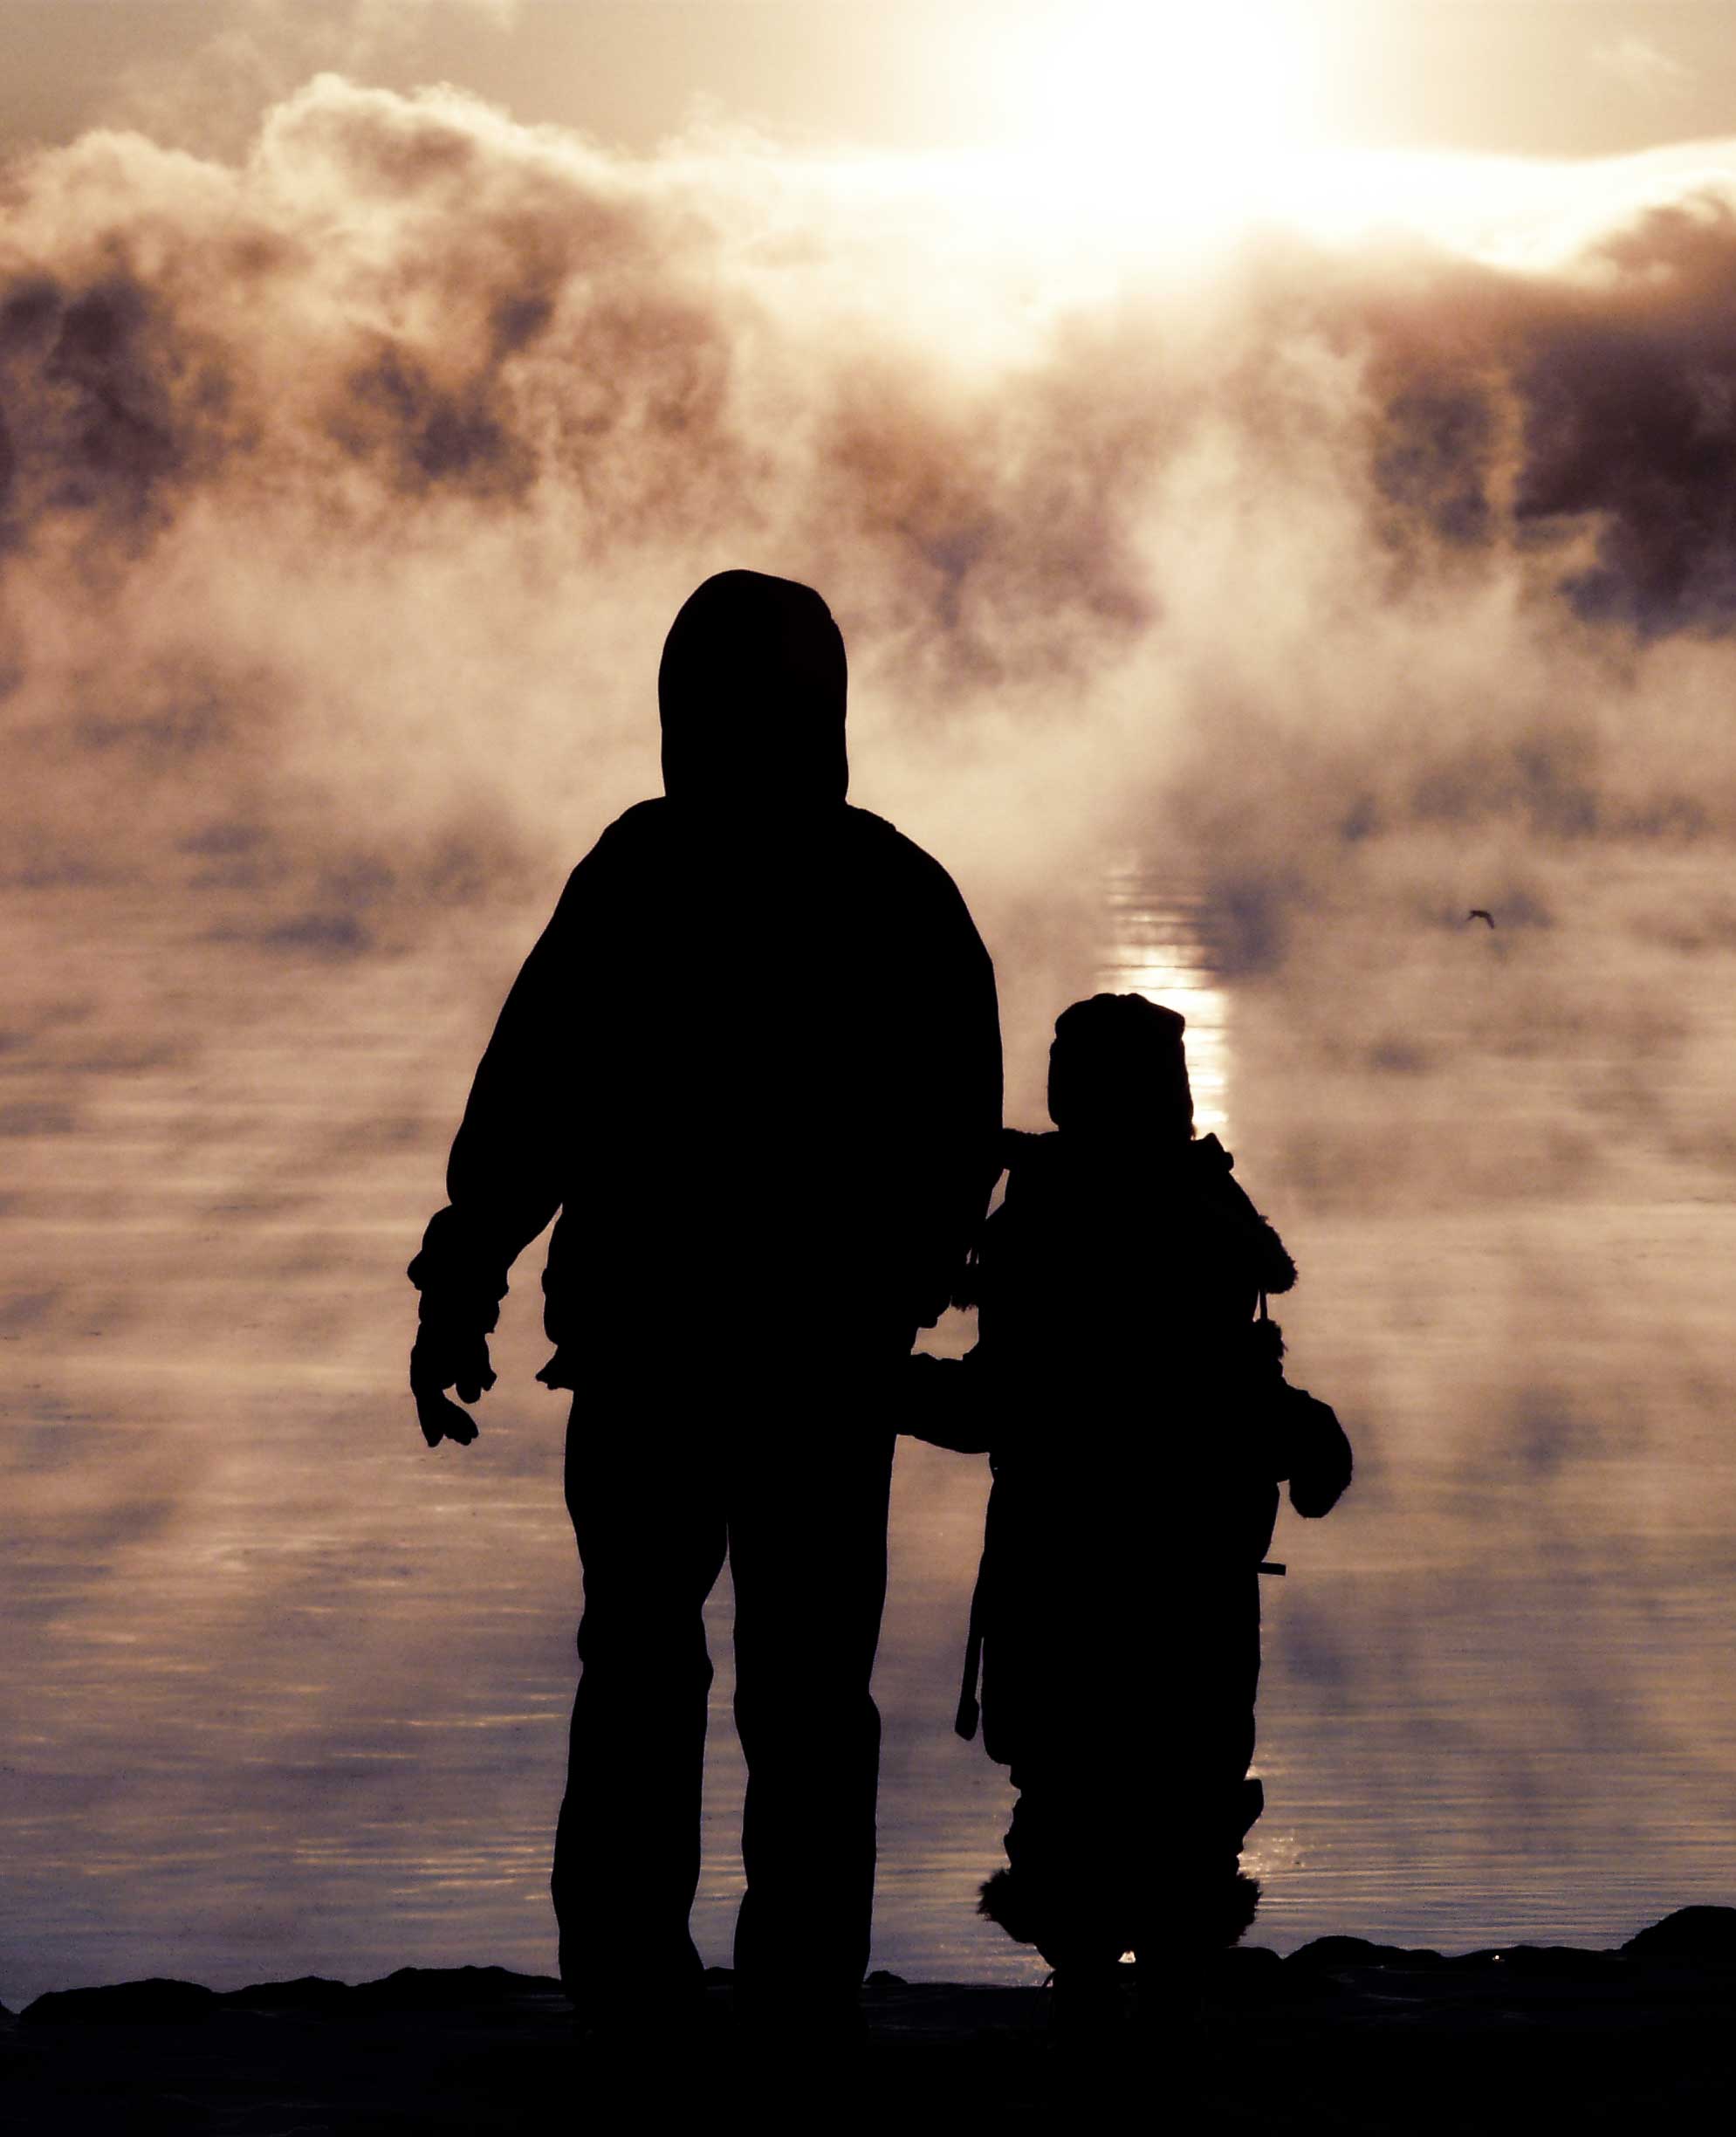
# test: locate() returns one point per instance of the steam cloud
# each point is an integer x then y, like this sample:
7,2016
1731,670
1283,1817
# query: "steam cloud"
410,365
346,489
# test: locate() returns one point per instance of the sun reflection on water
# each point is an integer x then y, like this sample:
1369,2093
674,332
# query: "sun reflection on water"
1157,946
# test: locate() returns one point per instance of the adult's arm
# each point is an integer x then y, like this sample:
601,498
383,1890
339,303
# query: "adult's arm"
509,1158
957,1089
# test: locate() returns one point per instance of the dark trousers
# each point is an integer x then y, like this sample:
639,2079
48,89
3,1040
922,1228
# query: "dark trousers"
656,1505
1130,1728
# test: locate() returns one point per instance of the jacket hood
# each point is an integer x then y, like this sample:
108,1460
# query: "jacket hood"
751,694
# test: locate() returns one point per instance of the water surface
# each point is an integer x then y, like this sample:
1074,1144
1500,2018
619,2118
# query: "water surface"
285,1692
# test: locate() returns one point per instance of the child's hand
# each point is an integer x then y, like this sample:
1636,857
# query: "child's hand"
1320,1456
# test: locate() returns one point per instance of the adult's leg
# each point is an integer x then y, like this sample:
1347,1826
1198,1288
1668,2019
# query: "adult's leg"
647,1511
807,1550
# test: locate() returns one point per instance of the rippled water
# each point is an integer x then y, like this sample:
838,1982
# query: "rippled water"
1155,943
285,1692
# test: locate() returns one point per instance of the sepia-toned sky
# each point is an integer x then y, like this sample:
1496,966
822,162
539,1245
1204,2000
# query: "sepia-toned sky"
1527,77
1288,454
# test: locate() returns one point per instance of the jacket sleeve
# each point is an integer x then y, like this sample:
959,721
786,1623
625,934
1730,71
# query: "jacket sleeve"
509,1158
960,1147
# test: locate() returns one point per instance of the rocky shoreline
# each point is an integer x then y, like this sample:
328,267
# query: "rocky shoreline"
1342,2035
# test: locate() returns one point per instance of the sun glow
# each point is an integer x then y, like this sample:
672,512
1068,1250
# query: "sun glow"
1215,99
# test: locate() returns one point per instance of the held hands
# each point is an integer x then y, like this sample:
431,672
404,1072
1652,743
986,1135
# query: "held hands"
437,1365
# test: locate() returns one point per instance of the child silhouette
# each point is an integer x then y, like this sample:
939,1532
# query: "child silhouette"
1129,1389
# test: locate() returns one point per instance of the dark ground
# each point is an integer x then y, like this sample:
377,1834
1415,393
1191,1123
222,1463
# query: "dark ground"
1340,2036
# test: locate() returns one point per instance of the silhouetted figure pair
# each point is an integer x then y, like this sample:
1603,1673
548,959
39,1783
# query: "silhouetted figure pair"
1129,1390
754,1062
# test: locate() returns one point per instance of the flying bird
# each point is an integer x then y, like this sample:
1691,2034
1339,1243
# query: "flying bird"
1477,912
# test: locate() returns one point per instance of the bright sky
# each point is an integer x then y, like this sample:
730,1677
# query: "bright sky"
1520,77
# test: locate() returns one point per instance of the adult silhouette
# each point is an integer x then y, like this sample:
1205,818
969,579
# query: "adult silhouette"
754,1060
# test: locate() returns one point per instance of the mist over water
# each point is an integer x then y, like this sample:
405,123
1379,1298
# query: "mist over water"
1314,594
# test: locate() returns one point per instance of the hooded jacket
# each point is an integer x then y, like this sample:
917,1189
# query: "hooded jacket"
754,1060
